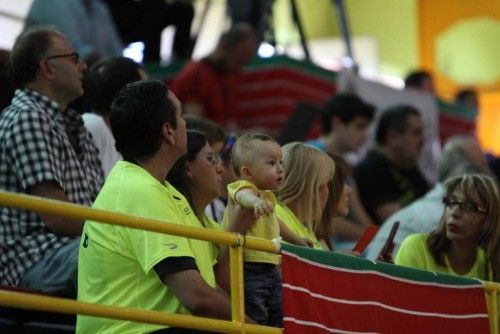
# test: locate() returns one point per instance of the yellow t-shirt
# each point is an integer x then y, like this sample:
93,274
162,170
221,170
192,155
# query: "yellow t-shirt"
115,265
415,253
295,225
265,227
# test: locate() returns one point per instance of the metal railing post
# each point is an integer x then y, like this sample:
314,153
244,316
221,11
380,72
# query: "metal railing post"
237,286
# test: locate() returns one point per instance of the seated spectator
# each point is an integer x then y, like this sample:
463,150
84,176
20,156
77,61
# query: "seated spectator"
216,136
107,77
421,81
6,83
344,124
337,204
460,155
304,192
206,87
467,98
345,121
87,24
218,206
133,268
197,175
144,21
221,145
466,241
388,178
44,151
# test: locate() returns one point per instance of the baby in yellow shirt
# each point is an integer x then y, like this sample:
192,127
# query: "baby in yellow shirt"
257,162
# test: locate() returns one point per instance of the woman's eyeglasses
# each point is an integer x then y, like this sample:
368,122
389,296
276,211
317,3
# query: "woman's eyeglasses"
465,206
213,158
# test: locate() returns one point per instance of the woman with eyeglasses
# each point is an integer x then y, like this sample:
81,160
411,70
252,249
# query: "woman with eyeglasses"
197,176
467,241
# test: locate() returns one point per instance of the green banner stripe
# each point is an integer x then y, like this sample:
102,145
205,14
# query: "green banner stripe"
456,110
339,260
156,71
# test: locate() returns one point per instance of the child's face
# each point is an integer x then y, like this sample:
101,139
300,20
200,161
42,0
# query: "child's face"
266,170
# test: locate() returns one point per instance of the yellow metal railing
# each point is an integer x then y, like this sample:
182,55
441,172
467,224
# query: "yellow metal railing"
492,291
236,241
68,306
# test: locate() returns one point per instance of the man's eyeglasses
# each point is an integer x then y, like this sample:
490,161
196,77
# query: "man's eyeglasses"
74,55
213,158
465,206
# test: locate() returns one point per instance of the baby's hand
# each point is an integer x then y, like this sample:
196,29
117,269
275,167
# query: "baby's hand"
262,208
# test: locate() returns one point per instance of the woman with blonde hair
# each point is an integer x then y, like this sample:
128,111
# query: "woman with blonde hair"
302,196
467,242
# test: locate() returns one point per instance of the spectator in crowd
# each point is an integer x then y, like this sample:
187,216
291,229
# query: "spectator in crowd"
222,145
206,87
388,178
303,195
466,243
345,121
257,13
421,81
145,20
87,24
344,124
107,77
216,136
175,273
460,155
337,204
6,83
468,98
257,162
44,151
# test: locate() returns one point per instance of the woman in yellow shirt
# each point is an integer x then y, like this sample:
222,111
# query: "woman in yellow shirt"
467,242
302,196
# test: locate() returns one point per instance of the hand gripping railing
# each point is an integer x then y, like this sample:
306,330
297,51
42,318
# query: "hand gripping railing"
68,306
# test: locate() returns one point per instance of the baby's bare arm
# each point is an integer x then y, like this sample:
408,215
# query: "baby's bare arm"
250,199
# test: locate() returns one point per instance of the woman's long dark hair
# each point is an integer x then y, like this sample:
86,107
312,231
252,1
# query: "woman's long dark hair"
177,176
336,187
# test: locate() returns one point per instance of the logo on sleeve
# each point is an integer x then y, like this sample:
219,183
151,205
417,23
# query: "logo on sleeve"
170,245
85,240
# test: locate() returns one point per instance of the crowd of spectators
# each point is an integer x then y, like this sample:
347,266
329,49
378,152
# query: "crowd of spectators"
137,154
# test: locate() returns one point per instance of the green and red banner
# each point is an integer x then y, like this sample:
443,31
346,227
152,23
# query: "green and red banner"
328,292
269,88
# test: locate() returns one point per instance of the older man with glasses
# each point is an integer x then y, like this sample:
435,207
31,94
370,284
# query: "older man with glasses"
44,151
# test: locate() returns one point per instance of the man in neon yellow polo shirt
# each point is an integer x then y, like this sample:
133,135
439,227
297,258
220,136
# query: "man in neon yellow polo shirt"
139,269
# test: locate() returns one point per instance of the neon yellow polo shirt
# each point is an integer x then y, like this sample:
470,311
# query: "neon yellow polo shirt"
414,253
116,263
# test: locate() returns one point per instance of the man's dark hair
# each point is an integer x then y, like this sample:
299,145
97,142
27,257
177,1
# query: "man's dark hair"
138,114
462,95
416,79
30,47
107,77
347,107
396,119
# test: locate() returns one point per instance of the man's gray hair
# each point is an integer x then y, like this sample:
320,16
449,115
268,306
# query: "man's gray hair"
456,161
